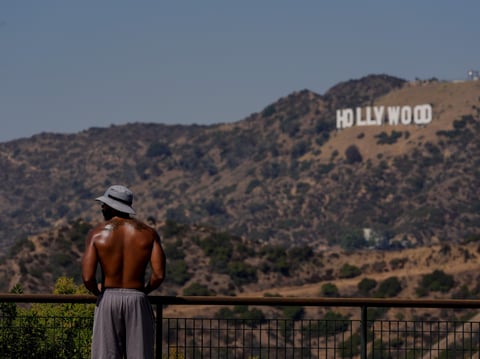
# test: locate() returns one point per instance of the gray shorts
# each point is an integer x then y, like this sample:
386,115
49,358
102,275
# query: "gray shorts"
123,325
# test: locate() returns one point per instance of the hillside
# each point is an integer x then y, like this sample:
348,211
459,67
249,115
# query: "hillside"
284,175
292,201
202,261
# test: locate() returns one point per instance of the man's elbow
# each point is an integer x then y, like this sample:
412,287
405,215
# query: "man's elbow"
159,279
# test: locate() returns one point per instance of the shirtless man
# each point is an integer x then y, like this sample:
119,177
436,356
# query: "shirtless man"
123,246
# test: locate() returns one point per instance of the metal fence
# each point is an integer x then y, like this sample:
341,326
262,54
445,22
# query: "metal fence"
250,335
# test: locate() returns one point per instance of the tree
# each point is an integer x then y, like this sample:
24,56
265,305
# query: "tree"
390,287
353,154
366,285
437,281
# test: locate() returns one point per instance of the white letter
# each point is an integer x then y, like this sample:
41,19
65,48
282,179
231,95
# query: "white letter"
378,110
393,115
360,122
406,115
422,114
344,118
368,117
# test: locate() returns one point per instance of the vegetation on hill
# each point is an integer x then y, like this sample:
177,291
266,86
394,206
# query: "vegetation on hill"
281,198
284,175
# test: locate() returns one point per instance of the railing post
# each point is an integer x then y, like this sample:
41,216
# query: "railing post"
363,333
159,330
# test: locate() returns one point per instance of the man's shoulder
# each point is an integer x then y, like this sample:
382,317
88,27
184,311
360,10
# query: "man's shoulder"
142,225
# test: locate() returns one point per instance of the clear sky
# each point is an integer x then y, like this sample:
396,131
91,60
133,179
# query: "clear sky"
66,66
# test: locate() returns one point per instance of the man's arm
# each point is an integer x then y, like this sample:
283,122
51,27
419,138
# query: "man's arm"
157,262
89,265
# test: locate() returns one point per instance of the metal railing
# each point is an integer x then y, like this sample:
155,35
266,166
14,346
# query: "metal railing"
255,336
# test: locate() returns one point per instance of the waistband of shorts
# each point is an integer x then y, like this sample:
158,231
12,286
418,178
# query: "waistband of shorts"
123,291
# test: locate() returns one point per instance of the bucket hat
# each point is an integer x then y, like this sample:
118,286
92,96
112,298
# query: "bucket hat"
118,197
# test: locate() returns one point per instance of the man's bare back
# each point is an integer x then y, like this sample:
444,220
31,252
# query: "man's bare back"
123,247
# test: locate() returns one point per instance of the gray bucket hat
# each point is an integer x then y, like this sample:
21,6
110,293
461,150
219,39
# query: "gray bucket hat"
119,198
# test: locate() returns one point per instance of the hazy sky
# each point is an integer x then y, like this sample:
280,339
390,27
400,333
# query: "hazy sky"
66,66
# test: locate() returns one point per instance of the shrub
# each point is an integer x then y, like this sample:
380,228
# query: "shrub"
268,111
277,257
300,253
333,323
177,272
390,287
197,289
171,228
242,273
329,290
158,149
219,248
299,149
293,313
353,154
254,315
251,316
349,271
437,281
33,332
366,285
174,251
78,231
353,240
383,138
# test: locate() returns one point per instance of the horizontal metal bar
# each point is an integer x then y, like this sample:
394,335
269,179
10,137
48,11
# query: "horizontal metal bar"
260,301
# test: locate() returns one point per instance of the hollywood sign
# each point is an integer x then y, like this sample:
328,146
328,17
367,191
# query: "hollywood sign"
380,115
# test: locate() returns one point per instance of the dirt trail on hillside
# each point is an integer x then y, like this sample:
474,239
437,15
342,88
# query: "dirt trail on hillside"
313,290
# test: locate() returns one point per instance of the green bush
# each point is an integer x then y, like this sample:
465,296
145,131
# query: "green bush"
197,289
254,315
329,290
177,272
390,287
37,332
174,251
293,312
219,248
331,324
276,256
349,271
366,285
437,281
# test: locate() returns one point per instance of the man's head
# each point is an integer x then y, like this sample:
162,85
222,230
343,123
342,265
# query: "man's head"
116,198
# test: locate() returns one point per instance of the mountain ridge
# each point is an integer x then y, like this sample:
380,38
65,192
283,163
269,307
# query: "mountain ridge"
284,174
